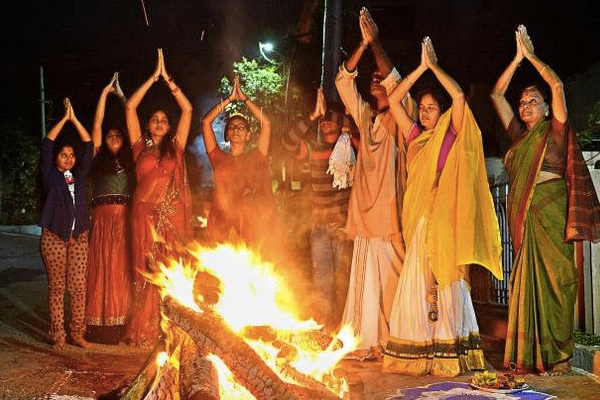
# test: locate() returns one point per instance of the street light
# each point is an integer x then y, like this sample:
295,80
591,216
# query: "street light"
266,48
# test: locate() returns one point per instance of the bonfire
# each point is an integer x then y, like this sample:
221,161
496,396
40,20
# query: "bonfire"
231,332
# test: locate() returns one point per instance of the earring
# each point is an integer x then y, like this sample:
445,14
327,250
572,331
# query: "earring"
546,113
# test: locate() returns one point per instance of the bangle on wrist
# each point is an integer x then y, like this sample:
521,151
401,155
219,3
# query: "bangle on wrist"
175,90
364,44
543,69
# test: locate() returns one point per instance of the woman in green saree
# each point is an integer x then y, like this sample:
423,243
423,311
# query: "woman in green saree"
551,204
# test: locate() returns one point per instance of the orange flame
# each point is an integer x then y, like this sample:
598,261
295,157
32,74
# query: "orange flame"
251,295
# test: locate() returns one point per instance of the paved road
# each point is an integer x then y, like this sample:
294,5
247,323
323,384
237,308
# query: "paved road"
30,369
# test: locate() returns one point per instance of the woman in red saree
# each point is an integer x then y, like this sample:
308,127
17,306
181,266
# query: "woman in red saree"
161,200
551,204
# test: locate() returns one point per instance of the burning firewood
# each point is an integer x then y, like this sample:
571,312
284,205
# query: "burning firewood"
166,381
210,333
140,385
315,340
199,379
287,371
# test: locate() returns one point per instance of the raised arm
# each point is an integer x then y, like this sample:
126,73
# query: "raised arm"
208,133
498,95
264,137
83,133
112,87
370,32
345,79
400,113
559,104
57,128
352,61
131,118
453,89
293,138
185,120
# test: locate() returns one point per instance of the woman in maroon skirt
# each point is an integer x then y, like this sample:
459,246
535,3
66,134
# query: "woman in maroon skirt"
109,271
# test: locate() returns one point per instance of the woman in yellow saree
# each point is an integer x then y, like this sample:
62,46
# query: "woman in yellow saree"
551,204
448,223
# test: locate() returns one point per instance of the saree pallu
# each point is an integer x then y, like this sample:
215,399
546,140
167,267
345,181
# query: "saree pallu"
543,285
109,270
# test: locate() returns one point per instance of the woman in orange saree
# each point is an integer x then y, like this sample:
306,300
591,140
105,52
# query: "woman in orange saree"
161,201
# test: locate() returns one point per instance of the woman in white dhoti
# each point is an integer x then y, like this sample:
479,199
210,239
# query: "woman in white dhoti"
448,223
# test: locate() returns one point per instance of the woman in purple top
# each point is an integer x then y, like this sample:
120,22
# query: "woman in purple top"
65,224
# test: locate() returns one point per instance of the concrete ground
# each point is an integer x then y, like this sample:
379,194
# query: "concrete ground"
30,369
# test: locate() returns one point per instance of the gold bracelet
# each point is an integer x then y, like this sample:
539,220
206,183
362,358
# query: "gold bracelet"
543,69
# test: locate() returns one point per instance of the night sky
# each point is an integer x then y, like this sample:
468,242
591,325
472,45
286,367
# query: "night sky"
81,43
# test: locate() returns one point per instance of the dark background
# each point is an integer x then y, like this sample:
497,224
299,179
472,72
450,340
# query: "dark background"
82,43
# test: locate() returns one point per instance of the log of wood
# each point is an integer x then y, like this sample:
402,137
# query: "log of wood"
199,379
313,340
142,382
210,333
166,380
307,381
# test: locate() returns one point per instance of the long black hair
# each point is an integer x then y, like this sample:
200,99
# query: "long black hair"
106,163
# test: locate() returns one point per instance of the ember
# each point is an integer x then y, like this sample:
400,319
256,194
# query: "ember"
231,333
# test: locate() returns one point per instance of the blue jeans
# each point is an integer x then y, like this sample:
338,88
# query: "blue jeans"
331,255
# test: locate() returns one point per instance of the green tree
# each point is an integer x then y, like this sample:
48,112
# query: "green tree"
19,161
264,84
592,129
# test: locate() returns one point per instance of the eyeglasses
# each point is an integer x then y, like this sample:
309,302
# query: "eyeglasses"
237,128
531,103
428,109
